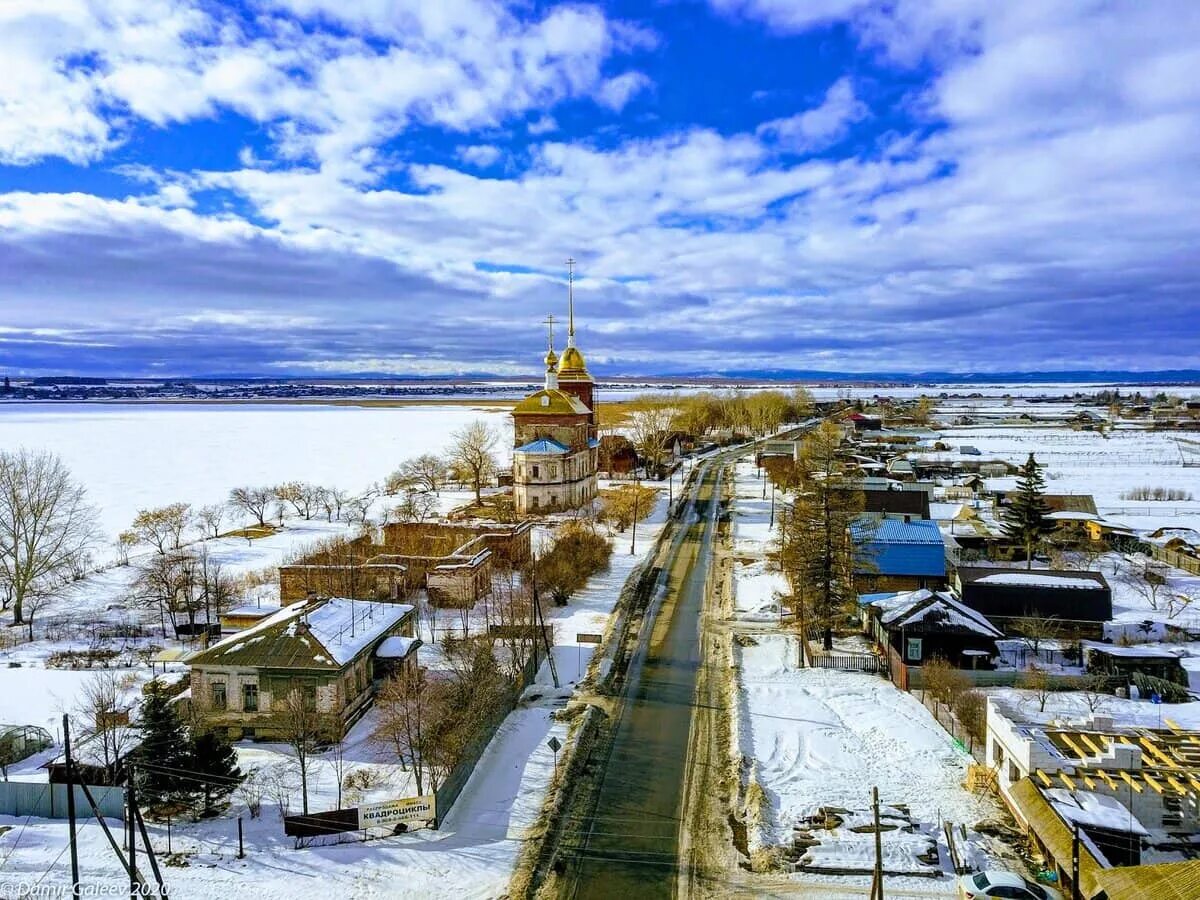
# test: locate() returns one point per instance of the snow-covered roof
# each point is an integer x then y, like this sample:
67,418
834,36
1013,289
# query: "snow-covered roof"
319,634
397,647
246,612
943,609
1137,651
1033,579
1071,515
1097,810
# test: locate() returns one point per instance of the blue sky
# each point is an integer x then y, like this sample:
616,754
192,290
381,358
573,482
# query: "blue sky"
320,187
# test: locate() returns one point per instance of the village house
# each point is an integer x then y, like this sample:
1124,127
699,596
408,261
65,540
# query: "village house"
1002,594
324,650
923,625
898,553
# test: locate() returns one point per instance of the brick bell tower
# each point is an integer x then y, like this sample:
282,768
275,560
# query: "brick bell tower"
573,376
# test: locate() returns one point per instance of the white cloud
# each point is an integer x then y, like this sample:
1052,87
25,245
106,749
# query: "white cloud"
616,92
479,155
820,126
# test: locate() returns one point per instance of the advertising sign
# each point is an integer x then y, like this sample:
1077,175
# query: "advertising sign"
391,813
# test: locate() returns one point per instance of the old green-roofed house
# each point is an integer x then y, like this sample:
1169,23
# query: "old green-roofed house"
331,651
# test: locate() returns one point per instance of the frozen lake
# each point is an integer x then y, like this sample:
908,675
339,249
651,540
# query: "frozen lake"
132,456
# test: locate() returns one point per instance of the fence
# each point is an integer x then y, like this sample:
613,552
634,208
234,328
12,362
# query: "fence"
49,801
1175,558
458,777
848,662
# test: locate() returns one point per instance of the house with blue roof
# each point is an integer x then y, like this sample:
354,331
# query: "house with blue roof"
898,553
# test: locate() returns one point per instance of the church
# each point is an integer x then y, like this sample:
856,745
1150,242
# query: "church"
555,447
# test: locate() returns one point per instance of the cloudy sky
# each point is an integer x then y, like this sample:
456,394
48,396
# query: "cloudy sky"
316,187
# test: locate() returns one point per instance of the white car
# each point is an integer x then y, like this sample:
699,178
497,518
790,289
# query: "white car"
986,885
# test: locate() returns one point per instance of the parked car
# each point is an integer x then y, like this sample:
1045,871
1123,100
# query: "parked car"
989,884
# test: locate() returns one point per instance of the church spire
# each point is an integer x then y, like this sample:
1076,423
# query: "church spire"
551,356
570,302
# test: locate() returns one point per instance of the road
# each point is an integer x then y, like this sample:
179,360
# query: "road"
630,847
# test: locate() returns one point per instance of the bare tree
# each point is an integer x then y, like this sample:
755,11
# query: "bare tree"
402,715
125,542
427,472
472,450
305,729
209,518
107,728
649,429
162,527
416,506
332,500
254,501
46,526
1034,630
1036,680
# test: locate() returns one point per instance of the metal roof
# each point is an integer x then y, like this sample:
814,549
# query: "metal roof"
542,445
896,547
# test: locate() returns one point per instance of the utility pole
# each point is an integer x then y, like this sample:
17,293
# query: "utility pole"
877,881
134,891
637,489
539,623
71,806
1075,892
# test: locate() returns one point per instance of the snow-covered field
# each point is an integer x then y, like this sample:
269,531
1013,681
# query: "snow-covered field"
822,737
132,456
1086,462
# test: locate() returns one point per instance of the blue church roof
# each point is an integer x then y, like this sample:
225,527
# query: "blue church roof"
542,445
896,547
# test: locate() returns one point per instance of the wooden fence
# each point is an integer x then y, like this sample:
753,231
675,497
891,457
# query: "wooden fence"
1175,558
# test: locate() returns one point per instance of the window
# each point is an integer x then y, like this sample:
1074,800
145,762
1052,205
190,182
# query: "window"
554,471
217,691
309,692
997,752
913,650
1014,774
250,698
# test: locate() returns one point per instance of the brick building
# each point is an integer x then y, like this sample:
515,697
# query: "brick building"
555,448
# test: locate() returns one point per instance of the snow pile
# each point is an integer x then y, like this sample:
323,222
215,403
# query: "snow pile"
1096,810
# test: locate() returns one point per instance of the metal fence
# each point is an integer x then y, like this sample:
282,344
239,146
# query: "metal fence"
848,662
49,801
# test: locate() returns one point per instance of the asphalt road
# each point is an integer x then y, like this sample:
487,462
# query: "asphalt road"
630,847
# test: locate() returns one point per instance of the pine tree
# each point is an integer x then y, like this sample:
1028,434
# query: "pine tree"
165,753
1025,519
215,761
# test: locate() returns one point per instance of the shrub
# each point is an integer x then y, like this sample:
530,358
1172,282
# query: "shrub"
1156,493
577,554
970,708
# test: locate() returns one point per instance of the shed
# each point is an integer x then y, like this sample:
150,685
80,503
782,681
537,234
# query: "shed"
1116,660
1007,593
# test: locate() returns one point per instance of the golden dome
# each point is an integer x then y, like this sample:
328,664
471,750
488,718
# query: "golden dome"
550,402
551,358
572,366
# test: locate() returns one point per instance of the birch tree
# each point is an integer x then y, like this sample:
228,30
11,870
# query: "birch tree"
46,526
472,450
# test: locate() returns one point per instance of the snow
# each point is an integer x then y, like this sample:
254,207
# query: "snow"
1032,579
1103,465
1097,810
396,647
133,456
344,627
824,737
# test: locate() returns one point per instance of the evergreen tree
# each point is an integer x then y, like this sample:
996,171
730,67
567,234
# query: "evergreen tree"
215,761
165,753
1025,519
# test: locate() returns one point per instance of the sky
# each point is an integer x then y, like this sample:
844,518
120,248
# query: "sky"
340,187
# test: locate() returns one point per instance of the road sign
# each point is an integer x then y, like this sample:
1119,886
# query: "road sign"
586,637
554,744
